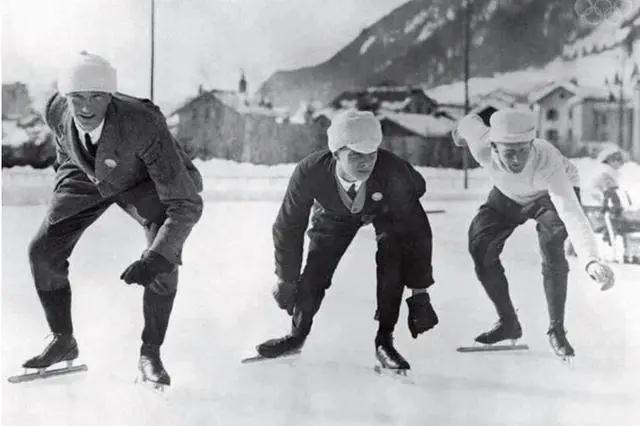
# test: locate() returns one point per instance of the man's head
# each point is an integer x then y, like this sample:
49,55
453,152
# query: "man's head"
355,165
511,134
354,138
88,83
611,156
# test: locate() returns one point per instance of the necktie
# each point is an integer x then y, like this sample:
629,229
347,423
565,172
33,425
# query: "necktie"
352,192
91,148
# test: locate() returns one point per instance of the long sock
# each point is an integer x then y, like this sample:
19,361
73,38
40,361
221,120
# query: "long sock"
57,309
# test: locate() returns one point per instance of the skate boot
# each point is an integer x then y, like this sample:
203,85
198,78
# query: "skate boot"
151,368
282,346
559,343
63,347
504,329
387,354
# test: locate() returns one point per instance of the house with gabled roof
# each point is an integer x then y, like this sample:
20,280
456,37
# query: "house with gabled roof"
570,114
228,124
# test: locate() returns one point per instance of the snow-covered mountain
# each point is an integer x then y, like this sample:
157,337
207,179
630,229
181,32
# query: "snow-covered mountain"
421,42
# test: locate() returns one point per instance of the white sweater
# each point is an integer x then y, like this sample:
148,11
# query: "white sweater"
546,171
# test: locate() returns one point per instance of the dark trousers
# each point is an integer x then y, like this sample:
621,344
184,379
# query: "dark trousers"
490,228
329,240
63,226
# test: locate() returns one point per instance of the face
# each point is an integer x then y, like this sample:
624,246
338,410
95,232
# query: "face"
615,160
88,108
513,155
355,165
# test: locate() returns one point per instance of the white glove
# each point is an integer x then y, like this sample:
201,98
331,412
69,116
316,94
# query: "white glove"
602,274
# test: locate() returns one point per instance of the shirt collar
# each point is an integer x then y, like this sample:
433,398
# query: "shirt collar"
95,133
346,184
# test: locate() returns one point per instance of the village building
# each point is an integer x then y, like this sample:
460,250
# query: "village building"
575,118
228,124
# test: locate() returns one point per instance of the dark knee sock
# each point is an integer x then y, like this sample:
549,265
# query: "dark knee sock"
497,288
157,310
555,290
57,309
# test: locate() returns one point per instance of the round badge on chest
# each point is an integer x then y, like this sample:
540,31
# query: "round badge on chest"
376,196
111,163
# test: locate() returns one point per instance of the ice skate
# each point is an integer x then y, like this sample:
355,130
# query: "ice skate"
504,330
280,347
559,343
388,357
152,371
62,348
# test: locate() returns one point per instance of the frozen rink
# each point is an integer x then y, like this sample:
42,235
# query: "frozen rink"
224,308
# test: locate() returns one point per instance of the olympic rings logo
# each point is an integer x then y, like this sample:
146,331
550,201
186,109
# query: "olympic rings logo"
594,12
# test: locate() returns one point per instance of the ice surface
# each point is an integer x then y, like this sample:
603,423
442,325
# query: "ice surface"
224,308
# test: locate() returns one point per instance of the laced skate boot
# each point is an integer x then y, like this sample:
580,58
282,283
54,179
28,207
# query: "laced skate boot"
503,330
387,354
63,347
150,366
281,346
559,343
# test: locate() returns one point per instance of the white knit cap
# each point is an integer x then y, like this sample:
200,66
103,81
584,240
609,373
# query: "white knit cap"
512,126
359,131
472,128
87,73
607,152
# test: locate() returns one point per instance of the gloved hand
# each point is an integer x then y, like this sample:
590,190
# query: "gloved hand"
145,270
285,294
421,317
602,274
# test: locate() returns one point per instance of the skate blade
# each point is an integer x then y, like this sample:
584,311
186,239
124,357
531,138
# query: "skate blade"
401,374
159,388
43,373
481,347
260,358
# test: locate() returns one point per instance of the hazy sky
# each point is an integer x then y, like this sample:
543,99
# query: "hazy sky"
197,41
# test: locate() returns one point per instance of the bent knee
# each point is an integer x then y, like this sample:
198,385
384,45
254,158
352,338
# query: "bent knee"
37,251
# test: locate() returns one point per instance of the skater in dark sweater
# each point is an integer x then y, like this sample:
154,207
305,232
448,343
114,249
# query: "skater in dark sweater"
353,184
112,149
532,181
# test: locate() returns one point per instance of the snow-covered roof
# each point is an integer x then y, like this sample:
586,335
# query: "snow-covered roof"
421,124
572,87
237,101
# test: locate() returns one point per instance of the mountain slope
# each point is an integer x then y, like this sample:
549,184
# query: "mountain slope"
421,42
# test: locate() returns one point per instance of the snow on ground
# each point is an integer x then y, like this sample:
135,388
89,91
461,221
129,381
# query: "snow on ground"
224,307
231,181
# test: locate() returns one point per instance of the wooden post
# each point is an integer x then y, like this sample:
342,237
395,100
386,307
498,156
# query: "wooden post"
153,12
467,31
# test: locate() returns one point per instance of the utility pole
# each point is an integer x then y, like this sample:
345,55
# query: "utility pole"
467,37
153,23
621,143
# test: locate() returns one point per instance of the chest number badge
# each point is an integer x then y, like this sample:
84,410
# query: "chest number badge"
110,163
376,196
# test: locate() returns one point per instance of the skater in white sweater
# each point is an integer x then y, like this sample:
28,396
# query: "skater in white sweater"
532,180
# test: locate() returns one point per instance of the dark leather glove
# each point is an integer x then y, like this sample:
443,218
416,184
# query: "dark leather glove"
285,294
145,270
422,317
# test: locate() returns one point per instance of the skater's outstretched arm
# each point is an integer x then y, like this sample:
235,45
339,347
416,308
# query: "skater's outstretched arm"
176,188
291,223
473,133
570,211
